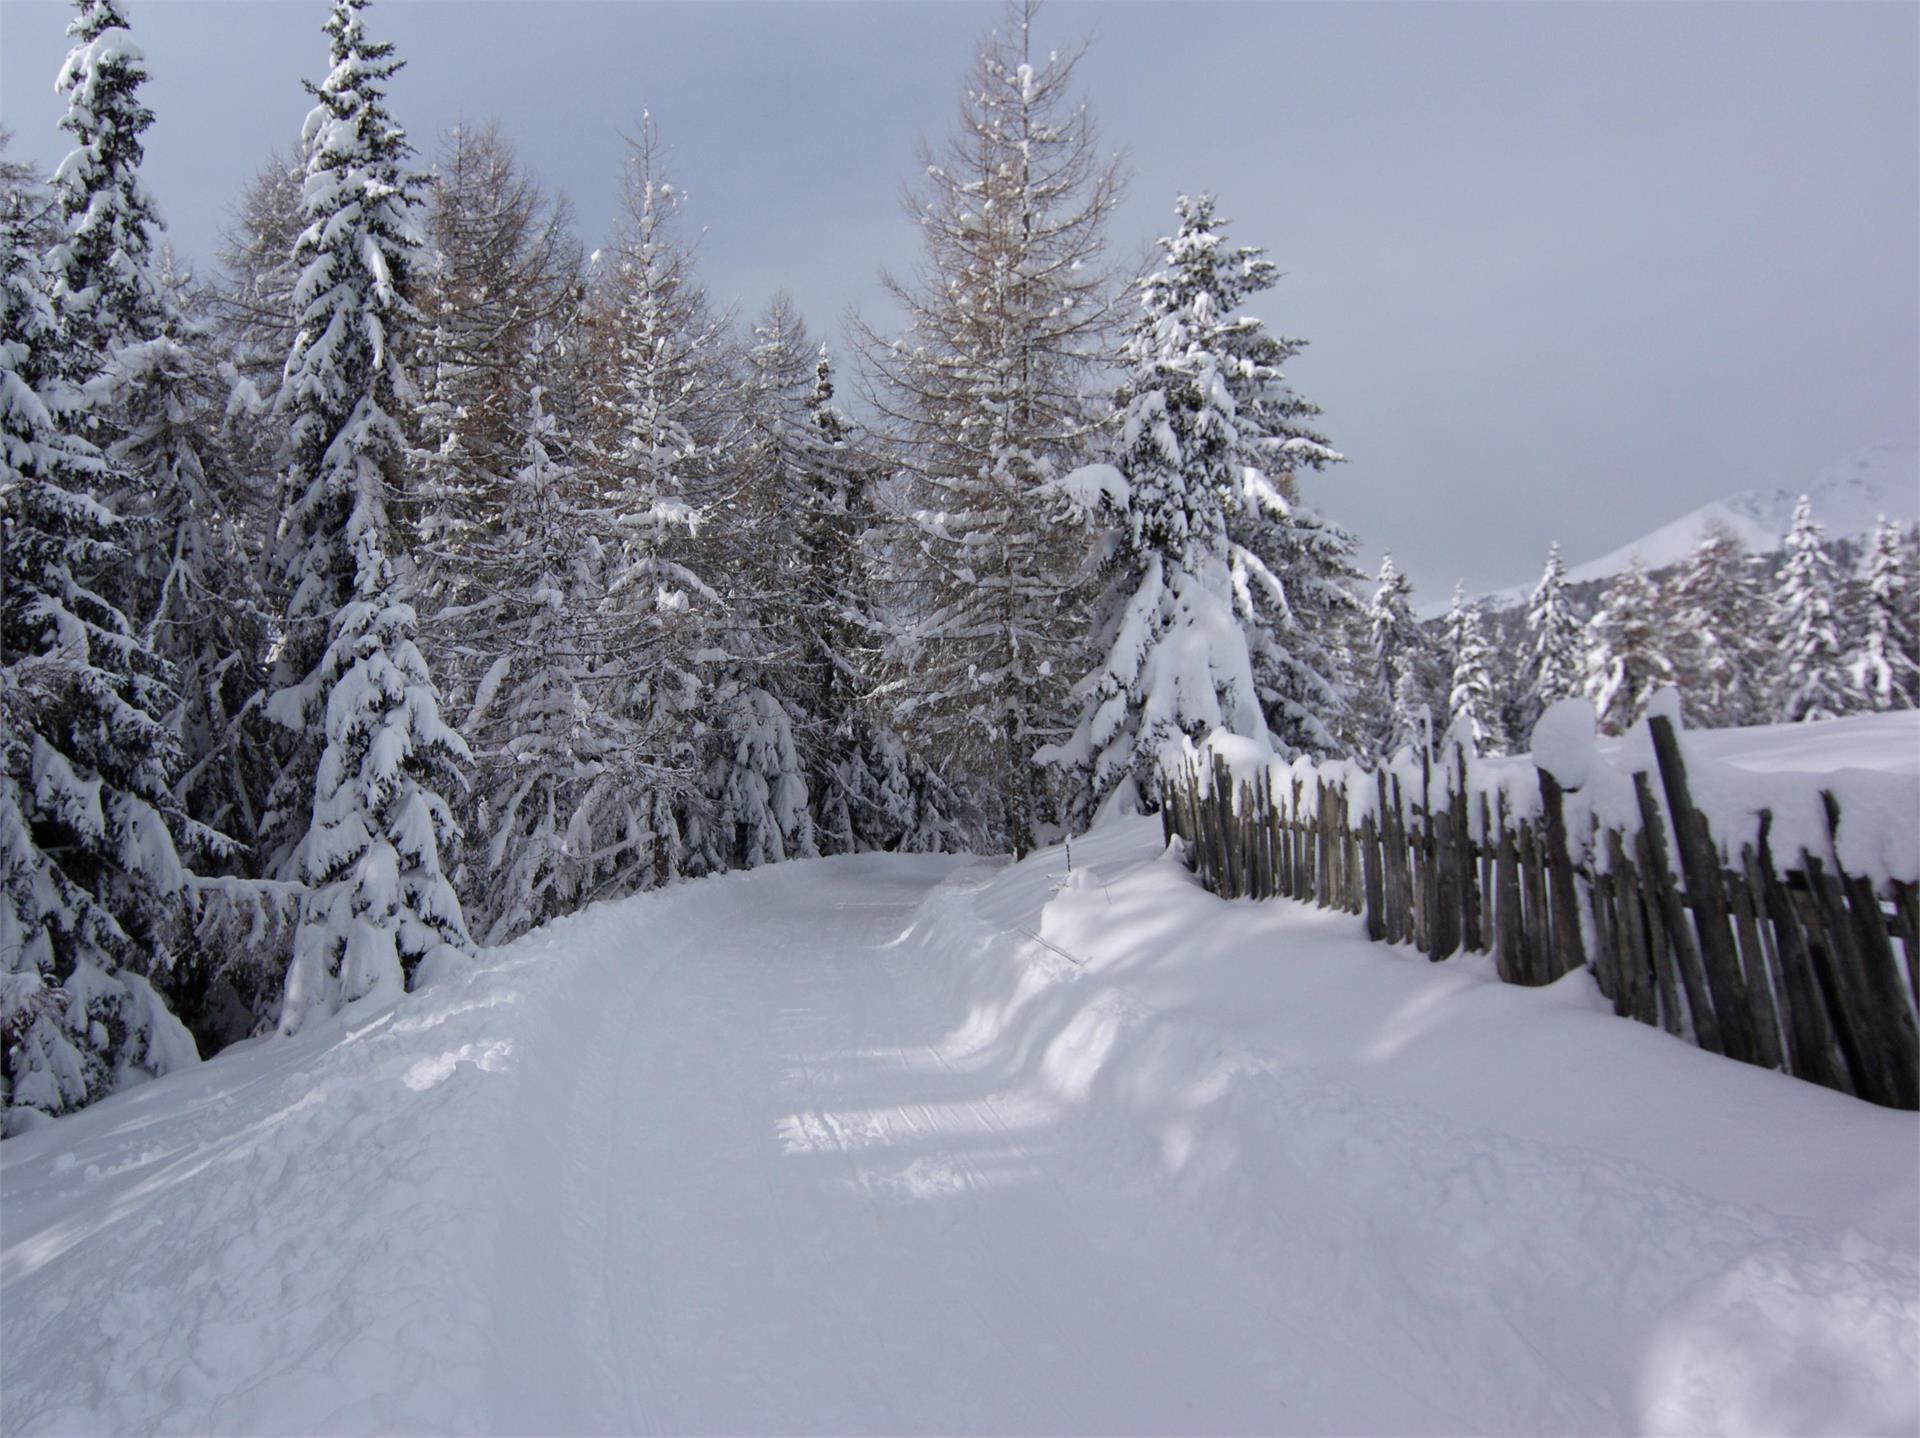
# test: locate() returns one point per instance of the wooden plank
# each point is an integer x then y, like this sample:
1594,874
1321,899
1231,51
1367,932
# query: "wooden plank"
1891,1015
1828,965
1356,865
1763,1018
1389,926
1535,924
1460,822
1638,977
1636,961
1446,897
1489,846
1370,863
1881,1021
1700,862
1681,944
1403,865
1222,790
1607,966
1654,931
1569,953
1812,1048
1276,841
1509,943
1906,909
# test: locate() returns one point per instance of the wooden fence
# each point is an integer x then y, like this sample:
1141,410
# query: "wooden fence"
1783,961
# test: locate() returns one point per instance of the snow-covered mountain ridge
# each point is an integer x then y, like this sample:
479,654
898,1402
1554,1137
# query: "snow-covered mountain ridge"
1848,496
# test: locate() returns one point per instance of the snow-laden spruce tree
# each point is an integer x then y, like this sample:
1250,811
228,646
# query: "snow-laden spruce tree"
184,570
769,670
986,394
1293,573
1554,642
102,268
1720,648
1627,659
1885,665
1470,700
91,888
658,436
1296,580
1396,646
1806,627
867,789
360,811
1173,655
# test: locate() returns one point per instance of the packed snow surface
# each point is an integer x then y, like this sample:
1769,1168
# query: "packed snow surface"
910,1145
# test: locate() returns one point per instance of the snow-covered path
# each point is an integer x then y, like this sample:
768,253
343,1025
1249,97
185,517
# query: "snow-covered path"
825,1225
916,1145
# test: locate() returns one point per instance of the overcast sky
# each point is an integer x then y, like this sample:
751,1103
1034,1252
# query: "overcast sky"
1567,270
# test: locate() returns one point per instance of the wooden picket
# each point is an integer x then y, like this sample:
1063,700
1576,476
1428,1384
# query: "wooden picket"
1798,967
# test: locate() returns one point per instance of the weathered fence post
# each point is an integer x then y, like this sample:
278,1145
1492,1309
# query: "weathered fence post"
1569,954
1756,959
1873,978
1510,941
1700,863
1682,944
1906,909
1813,1045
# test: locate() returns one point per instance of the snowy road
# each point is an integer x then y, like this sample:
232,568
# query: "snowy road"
916,1145
820,1222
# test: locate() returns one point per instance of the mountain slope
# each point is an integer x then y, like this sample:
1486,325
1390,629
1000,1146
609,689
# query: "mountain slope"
1848,497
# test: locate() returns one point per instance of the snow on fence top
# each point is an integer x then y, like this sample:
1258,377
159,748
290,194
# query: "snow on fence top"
1744,889
1869,763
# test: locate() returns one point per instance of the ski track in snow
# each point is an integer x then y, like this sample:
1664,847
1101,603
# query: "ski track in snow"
840,1147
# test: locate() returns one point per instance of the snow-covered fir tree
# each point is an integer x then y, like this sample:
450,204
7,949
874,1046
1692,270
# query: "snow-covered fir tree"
1554,644
986,394
759,765
93,888
1806,627
1173,652
1719,648
360,811
102,268
1627,658
184,570
1885,665
805,516
1293,573
1395,647
657,436
1470,697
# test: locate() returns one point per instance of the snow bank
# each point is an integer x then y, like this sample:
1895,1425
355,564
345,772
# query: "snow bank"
1529,1216
1869,763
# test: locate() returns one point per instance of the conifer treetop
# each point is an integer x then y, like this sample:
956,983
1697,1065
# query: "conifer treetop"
102,265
